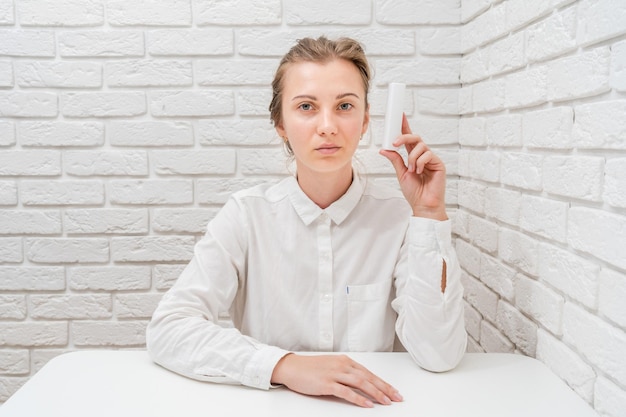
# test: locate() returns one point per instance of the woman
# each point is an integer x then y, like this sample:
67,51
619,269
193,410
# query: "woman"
323,261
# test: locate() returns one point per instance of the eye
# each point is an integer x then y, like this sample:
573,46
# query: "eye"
345,106
305,106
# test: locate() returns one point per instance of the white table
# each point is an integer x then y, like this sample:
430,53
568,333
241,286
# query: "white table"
127,383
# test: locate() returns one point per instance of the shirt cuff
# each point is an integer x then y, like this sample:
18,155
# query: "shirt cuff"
258,371
431,234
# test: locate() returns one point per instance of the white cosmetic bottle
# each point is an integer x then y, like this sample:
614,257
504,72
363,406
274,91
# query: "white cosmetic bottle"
393,116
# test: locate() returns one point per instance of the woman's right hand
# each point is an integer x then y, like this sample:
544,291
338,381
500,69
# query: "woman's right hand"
336,375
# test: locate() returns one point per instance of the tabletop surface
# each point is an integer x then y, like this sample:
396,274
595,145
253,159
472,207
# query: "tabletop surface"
128,383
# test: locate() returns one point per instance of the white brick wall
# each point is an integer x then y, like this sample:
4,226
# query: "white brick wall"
124,126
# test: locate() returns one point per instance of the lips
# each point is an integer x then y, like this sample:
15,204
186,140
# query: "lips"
328,149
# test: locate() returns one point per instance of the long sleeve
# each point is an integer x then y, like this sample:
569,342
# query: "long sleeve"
430,323
184,335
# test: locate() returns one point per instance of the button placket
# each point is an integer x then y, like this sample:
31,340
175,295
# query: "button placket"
325,283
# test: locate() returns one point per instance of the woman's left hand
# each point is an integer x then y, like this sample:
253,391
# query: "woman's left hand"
423,181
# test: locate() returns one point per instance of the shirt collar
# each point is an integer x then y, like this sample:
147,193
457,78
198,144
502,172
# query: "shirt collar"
309,211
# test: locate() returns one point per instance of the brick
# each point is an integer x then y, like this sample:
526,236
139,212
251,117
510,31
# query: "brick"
471,196
217,191
544,217
63,307
439,40
479,296
28,278
26,222
273,162
488,96
588,230
609,399
63,250
574,176
152,13
550,128
182,220
58,74
484,165
518,250
216,72
106,221
27,43
472,8
552,36
440,102
528,87
507,54
469,257
9,385
38,193
600,125
90,163
152,248
600,20
151,192
166,275
350,12
236,132
503,205
521,170
136,306
26,104
539,302
14,361
31,163
61,134
103,104
7,16
102,333
253,102
40,357
466,94
472,131
118,43
407,12
475,66
192,103
473,346
566,363
148,73
33,334
484,233
580,75
484,28
190,42
518,328
497,276
602,344
572,275
504,130
150,133
618,66
520,13
6,74
238,13
12,307
60,13
614,182
8,193
7,133
419,72
611,296
492,340
436,130
11,250
116,278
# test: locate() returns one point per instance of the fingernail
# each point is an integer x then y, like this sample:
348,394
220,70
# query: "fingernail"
397,396
386,400
369,404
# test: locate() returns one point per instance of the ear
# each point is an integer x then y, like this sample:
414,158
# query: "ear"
366,120
280,129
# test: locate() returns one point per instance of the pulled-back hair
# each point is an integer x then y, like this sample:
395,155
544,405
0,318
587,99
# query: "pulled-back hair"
320,50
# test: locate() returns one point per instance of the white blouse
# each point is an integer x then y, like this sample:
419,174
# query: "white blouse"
295,277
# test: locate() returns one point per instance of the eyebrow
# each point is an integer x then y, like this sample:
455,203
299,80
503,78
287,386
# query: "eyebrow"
340,96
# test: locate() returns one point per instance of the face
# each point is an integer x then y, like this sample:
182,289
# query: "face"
323,115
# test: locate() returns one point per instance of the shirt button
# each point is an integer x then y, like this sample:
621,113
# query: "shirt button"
326,336
326,297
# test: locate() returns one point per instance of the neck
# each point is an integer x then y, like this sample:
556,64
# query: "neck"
325,188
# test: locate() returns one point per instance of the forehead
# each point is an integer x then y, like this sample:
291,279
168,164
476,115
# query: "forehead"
337,74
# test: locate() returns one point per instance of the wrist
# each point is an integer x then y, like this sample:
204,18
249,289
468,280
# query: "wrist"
434,214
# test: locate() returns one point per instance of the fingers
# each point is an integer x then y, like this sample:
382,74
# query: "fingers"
363,381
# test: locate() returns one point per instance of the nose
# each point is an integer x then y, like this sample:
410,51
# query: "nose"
327,123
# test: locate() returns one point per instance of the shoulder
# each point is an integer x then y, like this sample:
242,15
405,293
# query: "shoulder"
270,191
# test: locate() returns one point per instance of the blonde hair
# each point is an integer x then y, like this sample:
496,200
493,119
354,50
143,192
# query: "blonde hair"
320,50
